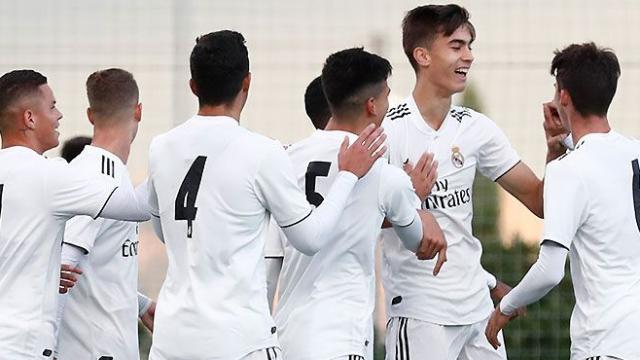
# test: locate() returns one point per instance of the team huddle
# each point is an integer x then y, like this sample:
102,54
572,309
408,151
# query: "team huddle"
246,220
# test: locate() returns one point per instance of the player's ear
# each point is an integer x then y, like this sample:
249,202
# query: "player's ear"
565,98
421,56
28,119
90,115
370,106
138,112
246,82
193,87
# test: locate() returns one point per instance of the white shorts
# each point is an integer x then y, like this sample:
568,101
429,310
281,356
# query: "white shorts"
349,357
271,353
411,339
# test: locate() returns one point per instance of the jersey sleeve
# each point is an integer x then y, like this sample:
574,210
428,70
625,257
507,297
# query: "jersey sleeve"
277,189
496,155
398,200
77,192
82,231
565,203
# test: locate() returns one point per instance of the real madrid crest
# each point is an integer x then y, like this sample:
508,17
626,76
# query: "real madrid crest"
457,159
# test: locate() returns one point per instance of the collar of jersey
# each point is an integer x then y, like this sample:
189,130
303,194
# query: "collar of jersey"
594,136
336,134
218,120
22,149
101,151
419,122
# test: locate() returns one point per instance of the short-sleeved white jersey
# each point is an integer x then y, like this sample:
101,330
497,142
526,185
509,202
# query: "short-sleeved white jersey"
214,184
326,300
100,317
37,197
592,207
466,142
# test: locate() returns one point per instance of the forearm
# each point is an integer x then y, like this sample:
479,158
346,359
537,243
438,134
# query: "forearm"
124,204
411,234
144,303
273,266
309,234
543,276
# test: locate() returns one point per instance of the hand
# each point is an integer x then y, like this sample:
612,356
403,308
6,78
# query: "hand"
363,153
433,242
423,175
554,131
68,278
502,289
497,322
149,316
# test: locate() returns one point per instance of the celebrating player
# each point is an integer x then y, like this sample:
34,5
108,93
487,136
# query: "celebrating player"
447,314
213,185
592,212
100,315
37,197
327,300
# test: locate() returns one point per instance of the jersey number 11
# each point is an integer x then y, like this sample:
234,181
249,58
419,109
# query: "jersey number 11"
185,205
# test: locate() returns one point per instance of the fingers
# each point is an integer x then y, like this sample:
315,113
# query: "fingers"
376,148
366,133
442,258
380,153
408,167
344,145
70,268
423,161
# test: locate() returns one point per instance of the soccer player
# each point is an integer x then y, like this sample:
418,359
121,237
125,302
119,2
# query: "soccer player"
73,147
100,315
592,212
447,314
317,109
37,197
327,300
213,185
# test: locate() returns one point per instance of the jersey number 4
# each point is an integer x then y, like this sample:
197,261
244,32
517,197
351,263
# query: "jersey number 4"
186,199
636,190
315,169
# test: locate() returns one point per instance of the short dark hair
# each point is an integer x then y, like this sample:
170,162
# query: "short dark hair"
590,75
73,147
15,85
315,104
350,77
421,26
111,91
219,62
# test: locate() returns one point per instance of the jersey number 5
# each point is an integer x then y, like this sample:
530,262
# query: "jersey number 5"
315,169
186,199
636,190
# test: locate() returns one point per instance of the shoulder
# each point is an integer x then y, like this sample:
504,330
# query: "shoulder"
465,115
398,111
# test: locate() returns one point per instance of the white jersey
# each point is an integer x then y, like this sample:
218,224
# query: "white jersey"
37,197
592,207
466,142
213,184
327,300
100,317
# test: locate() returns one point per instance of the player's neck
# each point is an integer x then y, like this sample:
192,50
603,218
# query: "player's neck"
432,104
581,126
115,140
20,139
231,110
349,125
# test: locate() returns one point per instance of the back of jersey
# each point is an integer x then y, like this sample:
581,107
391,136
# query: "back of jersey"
326,300
205,178
594,193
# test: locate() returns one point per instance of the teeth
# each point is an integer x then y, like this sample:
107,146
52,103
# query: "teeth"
462,71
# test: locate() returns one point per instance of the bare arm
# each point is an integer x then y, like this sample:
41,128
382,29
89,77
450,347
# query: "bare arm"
525,186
